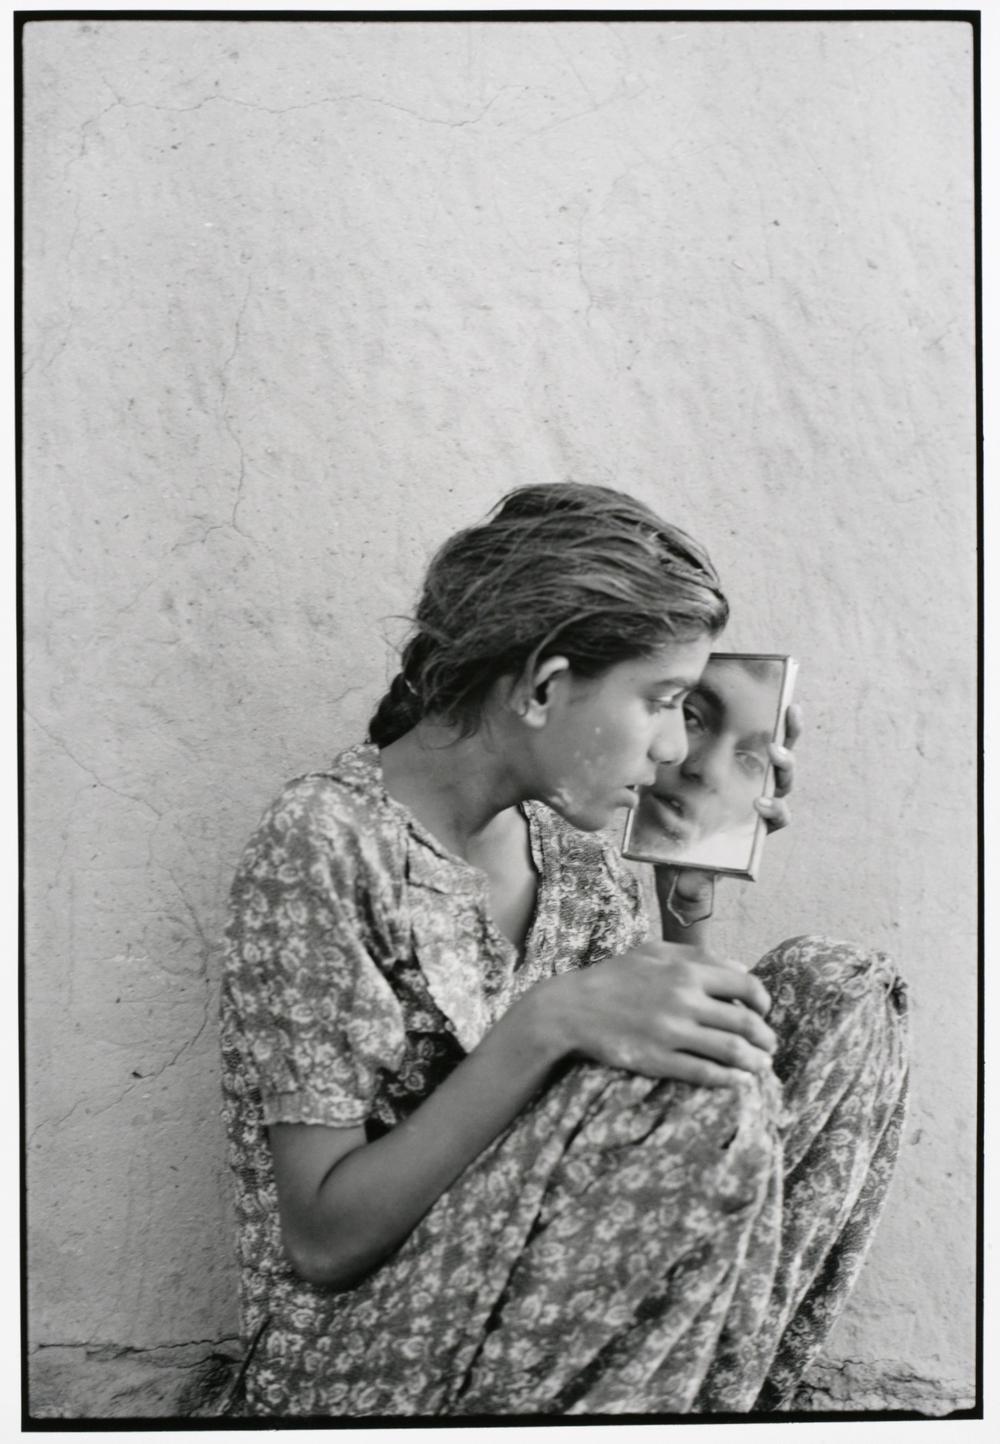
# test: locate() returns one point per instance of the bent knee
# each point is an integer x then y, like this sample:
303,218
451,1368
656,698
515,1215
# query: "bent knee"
810,969
626,1110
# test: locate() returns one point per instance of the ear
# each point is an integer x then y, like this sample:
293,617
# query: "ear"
535,693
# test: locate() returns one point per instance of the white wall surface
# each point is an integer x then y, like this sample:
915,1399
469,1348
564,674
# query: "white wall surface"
299,300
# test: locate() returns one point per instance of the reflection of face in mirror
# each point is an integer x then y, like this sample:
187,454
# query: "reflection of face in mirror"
702,809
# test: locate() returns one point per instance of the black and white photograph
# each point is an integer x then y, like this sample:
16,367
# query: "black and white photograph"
498,505
706,811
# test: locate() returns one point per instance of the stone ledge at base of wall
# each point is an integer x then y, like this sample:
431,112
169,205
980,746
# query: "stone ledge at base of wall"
108,1381
849,1384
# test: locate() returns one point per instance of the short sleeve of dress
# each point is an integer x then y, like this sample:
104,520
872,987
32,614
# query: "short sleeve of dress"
318,1018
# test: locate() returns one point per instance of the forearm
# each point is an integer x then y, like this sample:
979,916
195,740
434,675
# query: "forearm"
368,1201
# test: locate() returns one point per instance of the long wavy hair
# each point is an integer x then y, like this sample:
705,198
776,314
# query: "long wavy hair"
583,571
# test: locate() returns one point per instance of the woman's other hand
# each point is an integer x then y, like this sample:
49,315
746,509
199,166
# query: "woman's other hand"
667,1011
775,810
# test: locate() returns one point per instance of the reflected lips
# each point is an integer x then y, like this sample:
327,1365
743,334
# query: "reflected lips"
671,814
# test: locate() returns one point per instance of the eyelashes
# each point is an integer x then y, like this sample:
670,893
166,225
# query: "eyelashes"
751,764
666,704
694,722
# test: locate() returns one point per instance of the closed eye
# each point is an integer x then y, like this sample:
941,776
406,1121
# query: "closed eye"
667,704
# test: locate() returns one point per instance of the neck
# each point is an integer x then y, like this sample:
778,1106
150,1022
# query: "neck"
458,787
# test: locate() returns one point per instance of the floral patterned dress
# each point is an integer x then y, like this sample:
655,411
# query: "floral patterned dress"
627,1244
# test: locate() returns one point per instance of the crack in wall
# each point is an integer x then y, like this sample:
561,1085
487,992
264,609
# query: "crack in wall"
86,129
156,1073
347,692
62,746
207,947
348,98
579,266
227,422
184,1047
234,436
112,1350
133,1084
130,605
622,94
66,327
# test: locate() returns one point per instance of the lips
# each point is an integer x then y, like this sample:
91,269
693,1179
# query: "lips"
641,787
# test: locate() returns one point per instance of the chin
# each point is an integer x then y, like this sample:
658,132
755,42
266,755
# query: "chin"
591,823
594,819
586,819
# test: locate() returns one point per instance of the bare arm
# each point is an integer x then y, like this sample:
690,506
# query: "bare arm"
346,1203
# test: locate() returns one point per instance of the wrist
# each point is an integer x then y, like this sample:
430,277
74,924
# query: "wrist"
542,1018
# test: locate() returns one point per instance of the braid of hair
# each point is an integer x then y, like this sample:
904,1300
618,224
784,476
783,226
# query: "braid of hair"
402,706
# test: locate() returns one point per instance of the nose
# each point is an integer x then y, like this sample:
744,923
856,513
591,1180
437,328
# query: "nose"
670,743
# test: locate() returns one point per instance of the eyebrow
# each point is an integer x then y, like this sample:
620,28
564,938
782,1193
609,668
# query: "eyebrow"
757,739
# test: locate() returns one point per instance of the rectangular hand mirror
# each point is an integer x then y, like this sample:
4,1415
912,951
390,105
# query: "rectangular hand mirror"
699,813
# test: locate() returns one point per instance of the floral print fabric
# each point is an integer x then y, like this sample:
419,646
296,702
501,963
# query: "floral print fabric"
362,965
627,1245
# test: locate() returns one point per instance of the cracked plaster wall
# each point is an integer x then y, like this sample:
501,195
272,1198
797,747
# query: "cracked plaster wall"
300,299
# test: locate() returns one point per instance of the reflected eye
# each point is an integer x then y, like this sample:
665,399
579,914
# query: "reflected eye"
693,721
751,764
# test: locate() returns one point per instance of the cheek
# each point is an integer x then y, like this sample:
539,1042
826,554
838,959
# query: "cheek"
748,786
737,801
593,746
591,760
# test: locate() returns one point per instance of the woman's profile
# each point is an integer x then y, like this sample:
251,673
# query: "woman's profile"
498,1149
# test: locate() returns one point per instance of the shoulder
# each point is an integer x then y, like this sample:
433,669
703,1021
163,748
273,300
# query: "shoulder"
336,820
592,858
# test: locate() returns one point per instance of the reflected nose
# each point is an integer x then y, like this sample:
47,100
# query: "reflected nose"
671,741
706,763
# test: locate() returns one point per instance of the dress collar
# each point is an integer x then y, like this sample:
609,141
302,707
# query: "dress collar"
471,969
